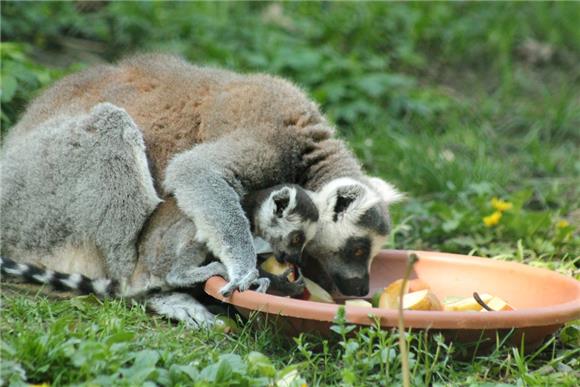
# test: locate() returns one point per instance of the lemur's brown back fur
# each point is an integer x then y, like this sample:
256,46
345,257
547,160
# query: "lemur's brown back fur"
177,105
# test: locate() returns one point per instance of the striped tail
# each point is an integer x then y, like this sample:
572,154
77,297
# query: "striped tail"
78,283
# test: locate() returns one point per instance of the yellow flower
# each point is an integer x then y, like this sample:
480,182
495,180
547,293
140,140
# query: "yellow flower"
492,219
501,205
562,223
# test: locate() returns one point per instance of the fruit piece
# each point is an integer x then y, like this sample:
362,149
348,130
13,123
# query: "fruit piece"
390,297
467,304
497,304
315,293
272,266
421,300
417,284
363,303
452,299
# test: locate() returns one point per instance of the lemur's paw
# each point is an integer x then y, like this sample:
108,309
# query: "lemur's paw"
261,284
184,308
242,283
282,285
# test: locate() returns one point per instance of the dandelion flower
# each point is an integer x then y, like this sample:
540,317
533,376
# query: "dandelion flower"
562,223
492,220
501,205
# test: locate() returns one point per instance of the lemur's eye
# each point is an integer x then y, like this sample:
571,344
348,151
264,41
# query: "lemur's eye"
360,252
297,240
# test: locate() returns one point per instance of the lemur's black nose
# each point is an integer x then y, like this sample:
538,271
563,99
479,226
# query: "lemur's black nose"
353,286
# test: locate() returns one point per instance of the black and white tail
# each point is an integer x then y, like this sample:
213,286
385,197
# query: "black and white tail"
78,283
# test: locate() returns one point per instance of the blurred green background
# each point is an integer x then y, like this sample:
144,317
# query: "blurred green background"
455,103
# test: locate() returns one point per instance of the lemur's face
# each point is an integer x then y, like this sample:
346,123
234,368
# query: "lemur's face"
352,227
287,220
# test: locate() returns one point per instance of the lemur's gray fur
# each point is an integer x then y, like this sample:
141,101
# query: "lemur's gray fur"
81,180
284,217
79,193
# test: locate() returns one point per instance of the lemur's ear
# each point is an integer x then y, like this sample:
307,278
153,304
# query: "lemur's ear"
386,191
281,200
345,196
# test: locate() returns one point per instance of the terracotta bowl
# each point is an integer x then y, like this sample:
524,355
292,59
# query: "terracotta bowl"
544,300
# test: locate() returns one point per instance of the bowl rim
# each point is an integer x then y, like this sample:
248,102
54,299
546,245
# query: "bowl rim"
530,317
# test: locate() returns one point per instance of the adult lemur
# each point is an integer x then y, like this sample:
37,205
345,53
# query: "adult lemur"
204,135
283,220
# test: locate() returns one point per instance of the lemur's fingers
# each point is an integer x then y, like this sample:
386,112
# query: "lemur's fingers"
262,285
287,273
300,281
227,290
300,278
248,280
295,288
242,284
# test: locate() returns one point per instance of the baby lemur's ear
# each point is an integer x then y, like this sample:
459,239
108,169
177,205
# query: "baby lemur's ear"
345,197
282,201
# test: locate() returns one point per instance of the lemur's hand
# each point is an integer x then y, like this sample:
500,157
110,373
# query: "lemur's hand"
279,284
244,283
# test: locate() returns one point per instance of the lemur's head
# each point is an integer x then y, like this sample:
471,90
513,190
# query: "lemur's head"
352,227
285,216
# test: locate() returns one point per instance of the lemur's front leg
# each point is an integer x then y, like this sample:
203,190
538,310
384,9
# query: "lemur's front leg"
207,183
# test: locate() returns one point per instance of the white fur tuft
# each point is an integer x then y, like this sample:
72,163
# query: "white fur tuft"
386,191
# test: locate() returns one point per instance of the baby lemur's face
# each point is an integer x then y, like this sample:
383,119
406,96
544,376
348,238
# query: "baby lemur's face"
286,218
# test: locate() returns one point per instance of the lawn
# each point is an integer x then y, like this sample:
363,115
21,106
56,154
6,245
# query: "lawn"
457,104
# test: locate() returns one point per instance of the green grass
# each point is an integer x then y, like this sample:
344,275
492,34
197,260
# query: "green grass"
80,341
455,103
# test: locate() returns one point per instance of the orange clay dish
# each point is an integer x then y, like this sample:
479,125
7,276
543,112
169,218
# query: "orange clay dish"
531,302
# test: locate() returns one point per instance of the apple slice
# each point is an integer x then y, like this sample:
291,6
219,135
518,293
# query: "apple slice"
358,302
390,297
421,300
498,305
418,284
272,266
314,292
467,304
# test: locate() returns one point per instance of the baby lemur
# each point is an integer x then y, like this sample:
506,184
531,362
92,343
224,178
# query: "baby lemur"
283,219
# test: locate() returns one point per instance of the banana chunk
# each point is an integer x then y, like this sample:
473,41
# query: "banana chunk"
467,304
363,303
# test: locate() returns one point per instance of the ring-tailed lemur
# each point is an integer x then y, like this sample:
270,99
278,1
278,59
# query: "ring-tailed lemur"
283,220
81,177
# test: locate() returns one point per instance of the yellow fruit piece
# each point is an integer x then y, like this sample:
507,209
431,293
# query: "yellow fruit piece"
390,297
418,284
316,293
467,304
421,300
497,304
272,266
363,303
